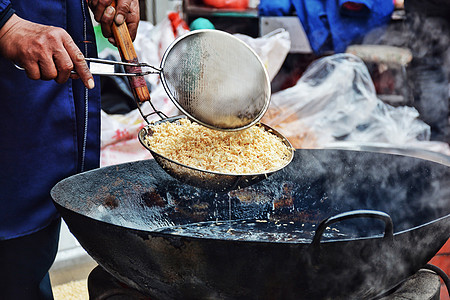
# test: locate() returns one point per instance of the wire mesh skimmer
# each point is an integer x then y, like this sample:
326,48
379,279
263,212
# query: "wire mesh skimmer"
213,78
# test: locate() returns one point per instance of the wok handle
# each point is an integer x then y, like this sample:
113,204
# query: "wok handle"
388,229
128,55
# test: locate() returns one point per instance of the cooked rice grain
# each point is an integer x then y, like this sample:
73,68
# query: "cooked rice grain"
250,151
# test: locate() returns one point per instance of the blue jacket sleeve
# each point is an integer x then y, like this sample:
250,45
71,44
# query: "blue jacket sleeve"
6,11
274,7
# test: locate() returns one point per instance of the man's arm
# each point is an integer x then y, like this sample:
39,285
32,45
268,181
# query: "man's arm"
46,52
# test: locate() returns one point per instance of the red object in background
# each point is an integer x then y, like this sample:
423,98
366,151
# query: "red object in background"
178,24
442,261
231,4
352,6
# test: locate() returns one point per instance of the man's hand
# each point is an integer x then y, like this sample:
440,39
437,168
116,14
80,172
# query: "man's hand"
124,11
46,52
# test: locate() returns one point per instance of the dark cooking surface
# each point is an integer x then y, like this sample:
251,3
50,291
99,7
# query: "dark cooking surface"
422,285
318,184
115,212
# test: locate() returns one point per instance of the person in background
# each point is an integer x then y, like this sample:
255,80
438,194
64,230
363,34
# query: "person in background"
49,125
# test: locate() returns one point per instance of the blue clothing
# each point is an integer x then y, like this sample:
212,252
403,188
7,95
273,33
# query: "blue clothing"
329,24
48,131
275,8
347,26
6,11
32,255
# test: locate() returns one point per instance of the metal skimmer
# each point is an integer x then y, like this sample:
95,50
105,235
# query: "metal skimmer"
213,77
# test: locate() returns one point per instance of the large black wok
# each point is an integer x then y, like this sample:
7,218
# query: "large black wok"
385,217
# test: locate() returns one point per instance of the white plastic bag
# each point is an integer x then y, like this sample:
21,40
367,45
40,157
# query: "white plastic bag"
271,48
335,100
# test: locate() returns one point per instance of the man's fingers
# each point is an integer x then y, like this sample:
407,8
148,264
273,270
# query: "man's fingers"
123,8
92,3
112,41
45,52
106,13
64,66
33,71
74,76
48,69
98,8
79,63
107,20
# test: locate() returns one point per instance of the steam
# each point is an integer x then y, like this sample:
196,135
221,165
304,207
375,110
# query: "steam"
428,38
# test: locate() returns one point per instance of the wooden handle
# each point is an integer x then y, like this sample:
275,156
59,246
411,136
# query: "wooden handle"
128,54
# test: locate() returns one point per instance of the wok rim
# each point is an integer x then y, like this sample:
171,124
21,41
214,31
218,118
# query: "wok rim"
372,149
386,148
